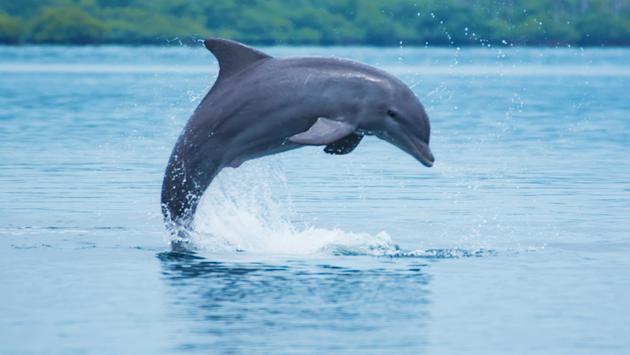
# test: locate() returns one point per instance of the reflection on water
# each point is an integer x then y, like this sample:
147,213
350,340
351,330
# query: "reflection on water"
299,304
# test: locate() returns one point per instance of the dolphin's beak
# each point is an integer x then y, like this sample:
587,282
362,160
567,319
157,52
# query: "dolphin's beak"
418,149
412,146
422,152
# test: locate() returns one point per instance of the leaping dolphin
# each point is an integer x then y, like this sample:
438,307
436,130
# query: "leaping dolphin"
260,105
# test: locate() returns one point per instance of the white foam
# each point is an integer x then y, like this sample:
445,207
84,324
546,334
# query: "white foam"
238,212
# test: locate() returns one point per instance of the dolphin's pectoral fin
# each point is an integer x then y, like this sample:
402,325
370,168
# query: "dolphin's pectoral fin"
345,145
323,132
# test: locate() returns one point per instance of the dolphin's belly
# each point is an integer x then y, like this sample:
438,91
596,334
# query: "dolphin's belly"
258,149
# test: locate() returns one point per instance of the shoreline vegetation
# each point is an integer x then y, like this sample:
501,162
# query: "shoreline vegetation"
322,22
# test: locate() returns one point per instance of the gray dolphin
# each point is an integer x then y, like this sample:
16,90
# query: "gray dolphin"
260,105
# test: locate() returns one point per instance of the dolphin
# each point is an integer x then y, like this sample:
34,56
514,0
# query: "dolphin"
261,105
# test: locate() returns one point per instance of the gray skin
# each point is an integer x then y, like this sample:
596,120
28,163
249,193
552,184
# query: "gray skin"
261,105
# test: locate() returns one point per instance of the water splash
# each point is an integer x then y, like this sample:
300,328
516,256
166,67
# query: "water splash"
239,213
249,209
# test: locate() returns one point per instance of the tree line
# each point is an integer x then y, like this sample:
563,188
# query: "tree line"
318,22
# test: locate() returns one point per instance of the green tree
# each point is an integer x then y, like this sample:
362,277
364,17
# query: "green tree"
66,25
11,29
140,25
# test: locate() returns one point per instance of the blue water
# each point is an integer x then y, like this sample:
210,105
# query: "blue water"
516,241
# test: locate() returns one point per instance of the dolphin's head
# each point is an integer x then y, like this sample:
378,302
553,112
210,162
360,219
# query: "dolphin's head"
396,115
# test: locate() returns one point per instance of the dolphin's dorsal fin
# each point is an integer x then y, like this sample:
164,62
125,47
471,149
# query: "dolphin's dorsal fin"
232,56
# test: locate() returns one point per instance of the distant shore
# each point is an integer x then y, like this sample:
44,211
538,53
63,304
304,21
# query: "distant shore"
392,23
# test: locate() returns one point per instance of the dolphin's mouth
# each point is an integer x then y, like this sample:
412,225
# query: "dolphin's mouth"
412,146
422,152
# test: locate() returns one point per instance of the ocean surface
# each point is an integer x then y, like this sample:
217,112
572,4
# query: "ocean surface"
517,241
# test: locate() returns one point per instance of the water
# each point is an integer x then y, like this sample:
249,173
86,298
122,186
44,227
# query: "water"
516,241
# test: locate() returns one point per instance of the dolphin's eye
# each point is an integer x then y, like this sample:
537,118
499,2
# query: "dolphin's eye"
392,114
